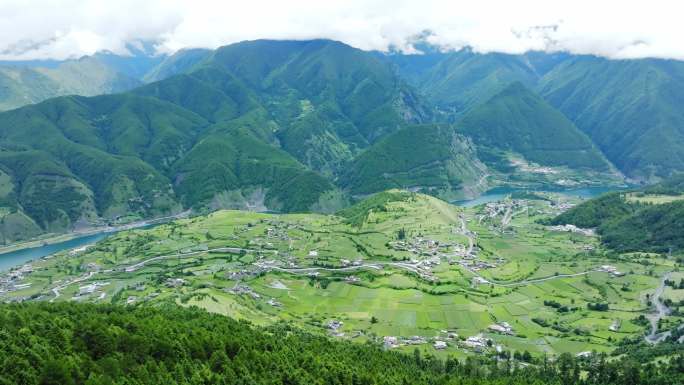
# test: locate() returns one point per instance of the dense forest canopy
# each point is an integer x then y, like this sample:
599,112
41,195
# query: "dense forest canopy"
69,343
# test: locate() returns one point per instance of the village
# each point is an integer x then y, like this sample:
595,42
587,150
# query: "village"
327,274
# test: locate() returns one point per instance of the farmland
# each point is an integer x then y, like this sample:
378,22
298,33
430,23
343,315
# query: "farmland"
402,269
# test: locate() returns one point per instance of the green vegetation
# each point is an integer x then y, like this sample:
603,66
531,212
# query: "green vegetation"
359,213
397,264
459,81
253,125
96,344
518,120
88,76
629,108
643,220
432,158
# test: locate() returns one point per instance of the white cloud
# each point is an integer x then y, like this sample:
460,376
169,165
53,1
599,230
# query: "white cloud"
616,29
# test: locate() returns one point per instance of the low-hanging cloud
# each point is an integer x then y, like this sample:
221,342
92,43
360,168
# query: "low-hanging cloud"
42,29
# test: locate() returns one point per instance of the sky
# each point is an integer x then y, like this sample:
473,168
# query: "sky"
61,29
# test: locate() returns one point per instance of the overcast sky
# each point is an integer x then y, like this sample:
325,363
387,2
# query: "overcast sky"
59,29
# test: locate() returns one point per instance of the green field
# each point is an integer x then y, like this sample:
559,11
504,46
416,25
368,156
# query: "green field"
653,198
405,269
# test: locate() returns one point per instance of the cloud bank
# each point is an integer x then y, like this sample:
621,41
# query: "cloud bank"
51,29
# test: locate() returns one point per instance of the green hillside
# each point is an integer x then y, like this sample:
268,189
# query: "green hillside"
223,133
517,120
288,125
458,81
649,219
397,272
75,161
88,344
431,158
180,62
88,76
329,100
630,108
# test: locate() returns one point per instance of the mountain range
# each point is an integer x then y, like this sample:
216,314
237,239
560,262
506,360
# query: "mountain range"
297,126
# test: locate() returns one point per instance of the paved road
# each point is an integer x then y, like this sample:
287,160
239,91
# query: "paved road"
56,290
661,311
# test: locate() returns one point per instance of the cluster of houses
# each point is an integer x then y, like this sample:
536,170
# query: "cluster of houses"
475,264
12,280
91,288
175,282
612,270
573,229
348,263
391,342
274,303
334,327
420,246
241,289
439,343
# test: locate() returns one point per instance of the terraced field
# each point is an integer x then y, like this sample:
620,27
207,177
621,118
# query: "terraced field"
414,270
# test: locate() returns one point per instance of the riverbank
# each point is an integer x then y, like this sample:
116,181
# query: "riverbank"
50,239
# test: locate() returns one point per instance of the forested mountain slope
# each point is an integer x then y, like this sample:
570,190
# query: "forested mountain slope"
221,135
69,161
631,109
71,343
292,125
648,219
429,158
88,76
329,100
518,120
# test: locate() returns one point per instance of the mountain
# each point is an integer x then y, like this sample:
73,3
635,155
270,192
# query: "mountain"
21,86
75,161
102,73
458,81
518,120
430,158
222,135
630,108
179,62
300,125
329,100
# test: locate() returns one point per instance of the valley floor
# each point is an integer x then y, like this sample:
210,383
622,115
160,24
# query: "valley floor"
417,272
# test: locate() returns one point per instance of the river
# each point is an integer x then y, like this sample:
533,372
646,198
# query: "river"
19,257
500,193
15,258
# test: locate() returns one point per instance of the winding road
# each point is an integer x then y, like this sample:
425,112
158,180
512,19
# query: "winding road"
661,311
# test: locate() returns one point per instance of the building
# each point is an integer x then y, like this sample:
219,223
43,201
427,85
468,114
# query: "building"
502,327
175,282
335,324
439,345
390,342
